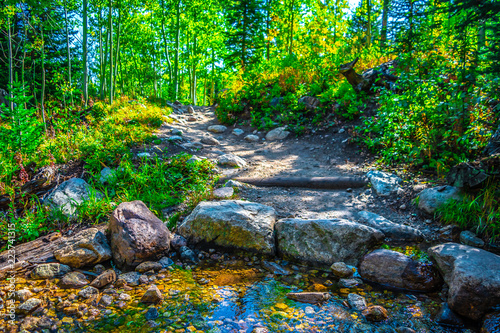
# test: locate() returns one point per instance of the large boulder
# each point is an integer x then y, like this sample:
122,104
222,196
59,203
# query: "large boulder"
432,198
473,277
69,195
88,247
383,183
397,270
394,231
324,242
233,224
137,235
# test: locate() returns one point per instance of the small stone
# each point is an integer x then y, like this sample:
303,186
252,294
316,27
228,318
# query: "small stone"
176,131
152,295
223,192
88,292
238,131
217,128
446,317
120,283
251,138
342,130
105,278
375,313
143,279
309,310
277,134
231,160
188,255
22,295
402,207
211,141
470,238
144,154
98,269
175,138
29,305
73,280
350,283
275,268
450,233
106,300
148,266
177,241
107,176
124,297
166,262
341,270
356,302
49,271
151,314
131,278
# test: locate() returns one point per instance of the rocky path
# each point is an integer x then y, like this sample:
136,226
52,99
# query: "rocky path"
322,154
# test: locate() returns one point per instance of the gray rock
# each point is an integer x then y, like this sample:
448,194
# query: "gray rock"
340,269
49,271
232,161
223,192
397,270
30,305
432,198
356,302
137,235
132,278
235,183
88,292
105,278
470,238
187,254
311,103
106,300
279,133
384,183
148,266
190,109
69,195
275,268
394,231
472,275
447,317
87,247
209,140
22,295
276,101
175,138
176,131
350,283
107,176
152,295
166,262
252,138
238,131
194,159
177,241
232,223
144,154
73,280
450,233
325,241
217,128
193,145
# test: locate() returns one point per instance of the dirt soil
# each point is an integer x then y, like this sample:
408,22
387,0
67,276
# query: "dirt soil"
322,154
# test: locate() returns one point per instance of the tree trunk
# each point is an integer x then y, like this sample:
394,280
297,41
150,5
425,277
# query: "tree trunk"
110,51
385,15
379,76
167,55
43,79
369,28
85,65
11,68
290,50
177,36
68,49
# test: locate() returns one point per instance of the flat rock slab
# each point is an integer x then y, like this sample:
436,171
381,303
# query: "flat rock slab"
383,183
87,247
324,242
223,192
393,231
429,200
397,270
233,224
279,133
232,161
473,277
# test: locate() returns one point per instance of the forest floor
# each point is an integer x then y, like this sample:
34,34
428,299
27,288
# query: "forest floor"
325,153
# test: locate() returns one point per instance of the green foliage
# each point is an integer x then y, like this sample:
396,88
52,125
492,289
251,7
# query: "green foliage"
21,132
410,251
480,212
432,123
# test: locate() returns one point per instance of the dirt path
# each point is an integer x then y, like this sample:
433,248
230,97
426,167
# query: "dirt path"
323,154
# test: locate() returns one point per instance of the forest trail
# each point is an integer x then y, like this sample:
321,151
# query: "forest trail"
322,154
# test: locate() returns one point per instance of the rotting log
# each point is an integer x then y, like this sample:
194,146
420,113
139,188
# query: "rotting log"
373,77
308,182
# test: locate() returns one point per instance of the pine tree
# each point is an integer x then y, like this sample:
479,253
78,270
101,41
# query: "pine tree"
245,38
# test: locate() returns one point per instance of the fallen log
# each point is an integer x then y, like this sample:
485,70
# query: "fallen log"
379,76
308,182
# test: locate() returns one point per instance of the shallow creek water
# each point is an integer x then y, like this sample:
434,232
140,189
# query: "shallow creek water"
236,294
